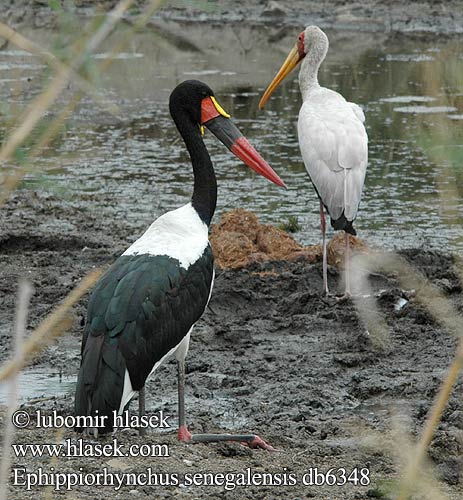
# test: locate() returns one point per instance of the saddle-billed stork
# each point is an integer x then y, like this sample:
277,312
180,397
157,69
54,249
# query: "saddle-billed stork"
144,307
332,139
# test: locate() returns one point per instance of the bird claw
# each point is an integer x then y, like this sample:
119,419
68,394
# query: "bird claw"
258,442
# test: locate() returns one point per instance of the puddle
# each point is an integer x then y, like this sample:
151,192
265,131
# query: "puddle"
22,66
121,55
378,408
38,384
409,57
16,53
35,384
135,168
425,109
408,98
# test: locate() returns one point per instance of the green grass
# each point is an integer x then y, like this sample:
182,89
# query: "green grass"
291,225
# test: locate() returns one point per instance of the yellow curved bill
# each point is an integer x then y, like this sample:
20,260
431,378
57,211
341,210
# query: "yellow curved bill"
289,64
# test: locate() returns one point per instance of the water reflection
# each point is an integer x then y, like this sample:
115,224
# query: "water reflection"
137,168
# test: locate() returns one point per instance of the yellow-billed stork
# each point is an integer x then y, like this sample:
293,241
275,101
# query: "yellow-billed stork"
332,139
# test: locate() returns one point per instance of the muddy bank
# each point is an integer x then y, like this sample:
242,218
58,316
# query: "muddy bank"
427,16
271,356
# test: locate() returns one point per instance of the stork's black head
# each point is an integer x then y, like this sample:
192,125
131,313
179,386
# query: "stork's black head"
192,104
187,98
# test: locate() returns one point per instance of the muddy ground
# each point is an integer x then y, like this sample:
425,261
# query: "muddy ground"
271,356
418,16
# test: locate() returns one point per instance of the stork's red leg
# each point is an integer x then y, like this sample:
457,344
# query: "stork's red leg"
183,433
251,440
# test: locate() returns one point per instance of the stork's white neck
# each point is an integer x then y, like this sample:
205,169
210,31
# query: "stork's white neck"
308,76
317,49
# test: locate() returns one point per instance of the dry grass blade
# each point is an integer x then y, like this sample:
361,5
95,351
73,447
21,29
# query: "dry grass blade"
24,295
25,44
447,315
409,278
13,180
51,93
52,326
366,305
413,468
397,443
49,490
138,24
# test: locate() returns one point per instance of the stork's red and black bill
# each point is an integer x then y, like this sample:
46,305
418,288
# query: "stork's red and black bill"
219,123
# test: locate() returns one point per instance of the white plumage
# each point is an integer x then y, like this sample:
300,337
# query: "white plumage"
180,234
334,147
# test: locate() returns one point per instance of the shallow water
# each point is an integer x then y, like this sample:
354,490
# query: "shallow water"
134,168
37,384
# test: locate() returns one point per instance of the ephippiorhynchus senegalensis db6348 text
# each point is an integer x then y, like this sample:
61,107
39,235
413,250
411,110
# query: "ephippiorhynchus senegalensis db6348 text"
332,139
144,307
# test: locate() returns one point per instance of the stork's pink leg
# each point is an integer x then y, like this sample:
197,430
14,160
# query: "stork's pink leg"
347,263
325,259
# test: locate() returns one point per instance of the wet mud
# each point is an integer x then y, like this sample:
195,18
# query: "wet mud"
416,17
270,356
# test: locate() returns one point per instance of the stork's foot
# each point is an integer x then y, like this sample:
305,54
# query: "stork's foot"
184,434
344,298
329,299
251,440
258,442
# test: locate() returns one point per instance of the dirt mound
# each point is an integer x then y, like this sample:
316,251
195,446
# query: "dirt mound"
239,239
336,248
239,221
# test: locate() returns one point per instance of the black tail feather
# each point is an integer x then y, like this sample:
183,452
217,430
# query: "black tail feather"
100,382
343,224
